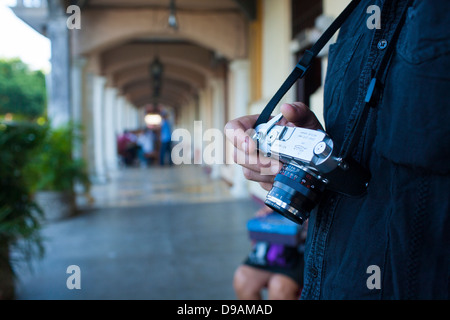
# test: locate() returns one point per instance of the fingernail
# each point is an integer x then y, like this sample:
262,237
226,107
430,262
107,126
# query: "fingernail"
245,145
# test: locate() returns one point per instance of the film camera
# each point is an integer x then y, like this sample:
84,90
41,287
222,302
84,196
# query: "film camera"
310,167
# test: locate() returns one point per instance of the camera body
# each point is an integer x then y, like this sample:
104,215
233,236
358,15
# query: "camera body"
310,166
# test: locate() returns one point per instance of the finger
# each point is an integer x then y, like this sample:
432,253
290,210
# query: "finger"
257,177
300,115
266,186
257,162
239,132
249,160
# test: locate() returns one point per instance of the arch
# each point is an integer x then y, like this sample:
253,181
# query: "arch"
134,54
143,101
140,73
221,32
175,89
167,83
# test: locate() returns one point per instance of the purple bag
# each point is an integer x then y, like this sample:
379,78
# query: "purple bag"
273,254
276,255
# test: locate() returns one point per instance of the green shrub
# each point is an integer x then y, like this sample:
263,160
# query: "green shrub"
19,215
54,168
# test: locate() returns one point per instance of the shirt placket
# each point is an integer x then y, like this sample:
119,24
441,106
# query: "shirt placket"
315,264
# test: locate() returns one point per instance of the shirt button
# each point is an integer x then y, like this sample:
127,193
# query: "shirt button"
382,44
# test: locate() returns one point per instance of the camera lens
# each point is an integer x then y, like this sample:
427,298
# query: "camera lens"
295,192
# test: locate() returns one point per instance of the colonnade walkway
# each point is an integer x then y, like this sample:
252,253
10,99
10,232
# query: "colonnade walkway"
156,233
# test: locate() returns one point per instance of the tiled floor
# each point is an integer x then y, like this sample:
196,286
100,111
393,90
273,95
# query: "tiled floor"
160,233
160,185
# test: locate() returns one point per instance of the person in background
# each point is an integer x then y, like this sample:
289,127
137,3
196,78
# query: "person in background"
126,147
275,267
146,143
166,140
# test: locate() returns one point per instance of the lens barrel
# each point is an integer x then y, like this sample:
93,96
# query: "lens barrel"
295,193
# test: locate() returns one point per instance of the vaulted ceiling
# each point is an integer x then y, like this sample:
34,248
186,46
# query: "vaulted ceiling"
125,36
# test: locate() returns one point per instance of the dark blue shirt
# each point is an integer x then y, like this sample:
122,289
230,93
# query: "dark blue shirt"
401,226
166,131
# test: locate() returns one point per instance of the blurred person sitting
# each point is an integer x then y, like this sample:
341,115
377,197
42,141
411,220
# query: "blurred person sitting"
272,266
146,143
127,147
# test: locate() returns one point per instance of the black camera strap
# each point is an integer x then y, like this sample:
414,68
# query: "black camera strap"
305,62
374,90
355,176
373,93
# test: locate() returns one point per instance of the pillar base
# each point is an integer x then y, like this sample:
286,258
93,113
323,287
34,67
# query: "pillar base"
99,179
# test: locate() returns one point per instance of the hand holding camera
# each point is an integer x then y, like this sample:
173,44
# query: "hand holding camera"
294,115
306,156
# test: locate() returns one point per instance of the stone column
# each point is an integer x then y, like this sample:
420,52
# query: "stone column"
127,116
59,100
135,120
133,116
98,122
240,100
218,122
77,111
77,102
77,67
276,62
120,106
109,130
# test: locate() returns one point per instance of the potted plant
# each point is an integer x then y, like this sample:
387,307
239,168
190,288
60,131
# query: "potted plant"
55,171
19,214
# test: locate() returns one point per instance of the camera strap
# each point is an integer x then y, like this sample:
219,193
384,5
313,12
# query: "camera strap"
305,62
374,90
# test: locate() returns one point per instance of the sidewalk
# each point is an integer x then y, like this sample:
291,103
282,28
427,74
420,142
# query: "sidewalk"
166,234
